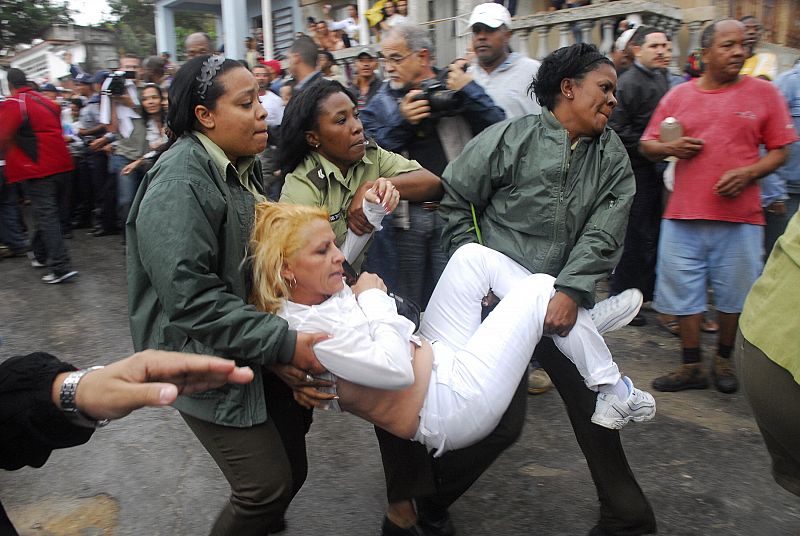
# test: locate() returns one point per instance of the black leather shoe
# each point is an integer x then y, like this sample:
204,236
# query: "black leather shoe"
81,224
103,232
438,524
390,529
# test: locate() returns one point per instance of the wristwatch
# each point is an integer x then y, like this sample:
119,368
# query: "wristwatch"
67,399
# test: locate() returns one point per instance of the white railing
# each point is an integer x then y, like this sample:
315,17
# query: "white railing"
594,23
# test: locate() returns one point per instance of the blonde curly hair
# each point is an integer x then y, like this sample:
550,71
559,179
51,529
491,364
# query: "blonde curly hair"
277,237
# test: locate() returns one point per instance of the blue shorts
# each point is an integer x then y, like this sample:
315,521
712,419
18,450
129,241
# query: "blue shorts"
693,254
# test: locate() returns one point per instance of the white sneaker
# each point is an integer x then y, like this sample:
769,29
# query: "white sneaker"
613,413
52,279
616,311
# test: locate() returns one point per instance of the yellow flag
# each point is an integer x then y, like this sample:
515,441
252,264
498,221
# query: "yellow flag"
375,14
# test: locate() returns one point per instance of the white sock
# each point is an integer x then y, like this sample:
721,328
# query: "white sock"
621,388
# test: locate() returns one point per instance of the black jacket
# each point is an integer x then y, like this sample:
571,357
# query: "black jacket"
31,426
639,91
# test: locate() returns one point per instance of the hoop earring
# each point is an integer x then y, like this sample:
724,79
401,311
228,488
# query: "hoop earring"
293,282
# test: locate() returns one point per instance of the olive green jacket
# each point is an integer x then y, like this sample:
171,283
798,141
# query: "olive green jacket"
187,234
551,208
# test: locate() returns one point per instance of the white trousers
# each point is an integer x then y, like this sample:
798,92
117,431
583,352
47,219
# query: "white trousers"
477,366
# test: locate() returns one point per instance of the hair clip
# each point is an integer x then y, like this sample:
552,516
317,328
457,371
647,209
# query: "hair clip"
208,71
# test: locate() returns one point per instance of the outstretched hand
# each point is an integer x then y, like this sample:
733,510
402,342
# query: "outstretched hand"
149,378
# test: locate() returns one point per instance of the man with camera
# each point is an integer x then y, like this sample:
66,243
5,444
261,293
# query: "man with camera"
126,134
415,114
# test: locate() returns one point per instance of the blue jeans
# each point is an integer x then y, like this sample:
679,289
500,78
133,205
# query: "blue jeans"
126,184
11,232
382,255
420,257
792,205
47,240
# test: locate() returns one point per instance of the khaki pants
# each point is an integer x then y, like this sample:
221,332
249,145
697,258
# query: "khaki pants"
265,464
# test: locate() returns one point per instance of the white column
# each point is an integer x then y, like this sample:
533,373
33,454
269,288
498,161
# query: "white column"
677,60
563,35
220,31
165,31
694,35
266,27
363,26
524,45
608,36
541,48
234,27
418,10
586,31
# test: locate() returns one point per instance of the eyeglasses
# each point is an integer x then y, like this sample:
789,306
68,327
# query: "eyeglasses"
394,61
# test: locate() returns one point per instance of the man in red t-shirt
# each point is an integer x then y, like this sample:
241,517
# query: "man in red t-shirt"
37,156
711,229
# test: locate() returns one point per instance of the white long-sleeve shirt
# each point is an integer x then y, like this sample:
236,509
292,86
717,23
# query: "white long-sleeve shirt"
370,343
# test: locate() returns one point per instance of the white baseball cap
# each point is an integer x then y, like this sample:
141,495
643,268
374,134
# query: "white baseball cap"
491,14
622,40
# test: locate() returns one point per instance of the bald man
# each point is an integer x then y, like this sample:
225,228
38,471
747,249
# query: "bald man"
198,44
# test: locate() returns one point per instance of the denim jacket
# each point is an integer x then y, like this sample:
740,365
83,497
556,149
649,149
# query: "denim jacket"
188,281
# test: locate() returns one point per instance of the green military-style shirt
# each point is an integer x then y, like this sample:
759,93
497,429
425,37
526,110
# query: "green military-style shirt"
222,161
316,181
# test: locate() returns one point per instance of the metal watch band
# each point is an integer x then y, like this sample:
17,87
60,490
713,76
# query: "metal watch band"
67,399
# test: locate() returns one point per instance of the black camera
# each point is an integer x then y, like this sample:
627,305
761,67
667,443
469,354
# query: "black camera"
116,87
443,102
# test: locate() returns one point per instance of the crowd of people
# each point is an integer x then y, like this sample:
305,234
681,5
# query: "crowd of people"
493,195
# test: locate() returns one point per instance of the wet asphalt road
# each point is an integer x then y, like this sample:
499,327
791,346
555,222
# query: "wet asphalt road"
701,462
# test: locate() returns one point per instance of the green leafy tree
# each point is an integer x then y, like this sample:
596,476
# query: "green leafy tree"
22,21
138,15
133,21
187,23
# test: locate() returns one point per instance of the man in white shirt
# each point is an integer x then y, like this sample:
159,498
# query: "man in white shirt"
503,74
349,24
274,106
271,102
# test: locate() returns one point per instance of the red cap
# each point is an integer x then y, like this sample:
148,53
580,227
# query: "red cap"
275,65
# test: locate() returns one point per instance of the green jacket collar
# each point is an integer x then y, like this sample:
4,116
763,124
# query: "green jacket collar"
551,122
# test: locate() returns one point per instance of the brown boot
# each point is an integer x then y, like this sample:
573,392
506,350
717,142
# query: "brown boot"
687,376
723,376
